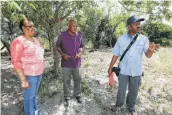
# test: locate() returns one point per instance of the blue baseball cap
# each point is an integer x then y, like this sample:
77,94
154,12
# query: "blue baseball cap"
134,19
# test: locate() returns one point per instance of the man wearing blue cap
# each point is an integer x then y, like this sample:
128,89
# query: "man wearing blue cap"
131,64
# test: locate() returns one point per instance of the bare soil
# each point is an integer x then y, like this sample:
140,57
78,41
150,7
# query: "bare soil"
155,95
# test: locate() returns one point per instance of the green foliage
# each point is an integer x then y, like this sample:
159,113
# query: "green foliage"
121,29
89,19
48,17
44,41
85,88
119,24
159,33
155,10
11,14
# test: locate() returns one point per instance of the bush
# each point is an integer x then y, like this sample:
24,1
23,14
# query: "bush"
158,32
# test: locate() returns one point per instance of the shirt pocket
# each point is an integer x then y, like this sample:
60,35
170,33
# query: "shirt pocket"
139,49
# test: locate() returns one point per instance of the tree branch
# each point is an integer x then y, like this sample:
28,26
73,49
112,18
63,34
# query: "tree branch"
2,47
62,18
130,9
5,29
57,10
44,19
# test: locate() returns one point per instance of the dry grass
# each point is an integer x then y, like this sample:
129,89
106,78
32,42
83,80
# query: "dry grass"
156,84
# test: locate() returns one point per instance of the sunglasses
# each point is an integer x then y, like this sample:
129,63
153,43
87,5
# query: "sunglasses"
31,26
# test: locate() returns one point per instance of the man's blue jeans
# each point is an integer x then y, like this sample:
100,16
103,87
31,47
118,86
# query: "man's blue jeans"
30,95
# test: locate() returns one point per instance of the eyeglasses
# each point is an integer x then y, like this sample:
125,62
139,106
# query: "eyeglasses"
31,26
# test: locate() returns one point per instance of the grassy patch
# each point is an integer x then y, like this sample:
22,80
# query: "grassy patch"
156,84
164,62
88,63
85,88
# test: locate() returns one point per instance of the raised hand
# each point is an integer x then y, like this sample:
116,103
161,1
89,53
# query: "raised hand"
153,47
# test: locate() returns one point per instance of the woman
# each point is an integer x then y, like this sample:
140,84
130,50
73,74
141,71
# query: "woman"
27,59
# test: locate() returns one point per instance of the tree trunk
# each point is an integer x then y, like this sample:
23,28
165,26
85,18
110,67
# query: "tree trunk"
50,44
6,45
49,40
56,58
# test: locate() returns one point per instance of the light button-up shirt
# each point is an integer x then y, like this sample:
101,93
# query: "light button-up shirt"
131,64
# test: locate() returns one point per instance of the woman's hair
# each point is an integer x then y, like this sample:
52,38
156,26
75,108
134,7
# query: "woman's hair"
21,23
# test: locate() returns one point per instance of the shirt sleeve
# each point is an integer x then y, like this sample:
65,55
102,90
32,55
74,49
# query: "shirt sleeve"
146,45
16,50
59,41
116,49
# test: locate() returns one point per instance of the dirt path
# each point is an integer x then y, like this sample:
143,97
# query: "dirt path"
155,96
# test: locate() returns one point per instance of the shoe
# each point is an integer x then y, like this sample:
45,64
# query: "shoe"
117,109
133,112
38,112
114,109
66,102
79,100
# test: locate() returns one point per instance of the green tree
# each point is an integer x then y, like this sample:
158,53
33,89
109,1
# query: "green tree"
47,16
11,14
160,33
155,10
89,18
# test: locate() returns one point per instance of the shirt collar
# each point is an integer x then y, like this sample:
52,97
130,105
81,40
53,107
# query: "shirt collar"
76,34
130,36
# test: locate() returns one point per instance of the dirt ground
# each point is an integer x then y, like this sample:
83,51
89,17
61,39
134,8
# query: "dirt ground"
155,96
